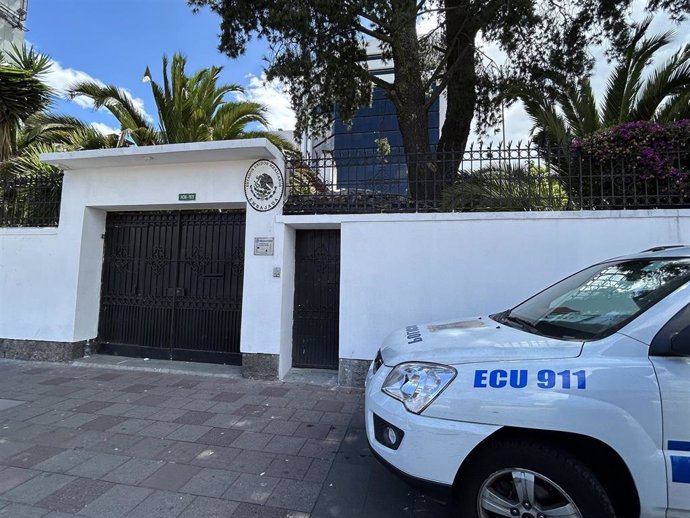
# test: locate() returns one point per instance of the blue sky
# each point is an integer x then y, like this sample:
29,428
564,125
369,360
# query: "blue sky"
114,40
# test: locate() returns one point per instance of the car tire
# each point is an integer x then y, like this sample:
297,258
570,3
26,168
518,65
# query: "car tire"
499,474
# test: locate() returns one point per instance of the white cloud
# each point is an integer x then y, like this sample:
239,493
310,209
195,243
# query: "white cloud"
104,128
61,79
273,95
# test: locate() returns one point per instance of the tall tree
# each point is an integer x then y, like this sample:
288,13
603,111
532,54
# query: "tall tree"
318,50
191,108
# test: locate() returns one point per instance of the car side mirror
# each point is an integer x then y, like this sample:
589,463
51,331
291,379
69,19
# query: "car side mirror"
680,343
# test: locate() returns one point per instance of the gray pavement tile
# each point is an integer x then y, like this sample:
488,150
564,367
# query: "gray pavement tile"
22,511
250,410
327,405
254,489
32,456
115,443
245,510
159,429
199,404
131,426
176,402
108,376
254,462
114,409
313,431
184,383
222,420
194,417
72,497
139,412
209,508
344,491
117,502
171,477
335,418
162,504
91,407
12,477
307,416
37,488
58,514
63,462
56,437
252,441
281,427
295,494
63,391
134,471
11,448
150,400
324,449
278,413
318,470
149,448
275,391
51,417
251,424
138,388
84,439
289,466
210,482
167,414
76,420
285,445
102,423
98,465
188,432
215,457
227,397
222,407
219,436
55,381
182,452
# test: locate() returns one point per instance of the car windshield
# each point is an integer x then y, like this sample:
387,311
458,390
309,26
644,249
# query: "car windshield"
599,300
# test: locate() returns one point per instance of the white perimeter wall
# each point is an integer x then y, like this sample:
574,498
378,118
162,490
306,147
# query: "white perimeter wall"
398,270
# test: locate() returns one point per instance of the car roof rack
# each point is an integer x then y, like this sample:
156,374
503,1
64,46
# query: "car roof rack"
661,248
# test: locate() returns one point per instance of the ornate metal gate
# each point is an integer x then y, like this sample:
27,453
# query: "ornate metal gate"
317,299
172,285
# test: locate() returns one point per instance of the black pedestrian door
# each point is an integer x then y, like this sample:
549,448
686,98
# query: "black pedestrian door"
172,285
317,299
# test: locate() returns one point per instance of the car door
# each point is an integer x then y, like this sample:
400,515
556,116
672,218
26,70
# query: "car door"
670,355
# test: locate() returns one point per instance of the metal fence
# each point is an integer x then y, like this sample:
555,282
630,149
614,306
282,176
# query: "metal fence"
514,178
30,201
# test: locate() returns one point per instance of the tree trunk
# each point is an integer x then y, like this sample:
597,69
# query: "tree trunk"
408,96
461,90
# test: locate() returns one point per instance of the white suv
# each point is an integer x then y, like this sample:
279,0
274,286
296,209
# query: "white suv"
575,403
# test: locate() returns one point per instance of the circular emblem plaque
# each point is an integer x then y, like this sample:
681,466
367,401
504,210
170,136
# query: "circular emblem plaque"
264,185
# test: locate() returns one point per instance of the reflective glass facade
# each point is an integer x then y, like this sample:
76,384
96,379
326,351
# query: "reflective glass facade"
369,124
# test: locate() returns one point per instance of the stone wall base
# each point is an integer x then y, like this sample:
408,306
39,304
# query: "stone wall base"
352,373
36,350
260,366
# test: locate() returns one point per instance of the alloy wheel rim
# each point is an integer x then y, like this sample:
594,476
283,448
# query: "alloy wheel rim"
523,493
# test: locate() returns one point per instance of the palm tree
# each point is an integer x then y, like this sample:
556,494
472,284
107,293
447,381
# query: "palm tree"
633,93
192,108
22,94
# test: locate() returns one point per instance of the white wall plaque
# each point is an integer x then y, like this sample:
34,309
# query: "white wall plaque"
263,246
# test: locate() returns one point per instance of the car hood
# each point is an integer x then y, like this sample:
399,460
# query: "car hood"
471,340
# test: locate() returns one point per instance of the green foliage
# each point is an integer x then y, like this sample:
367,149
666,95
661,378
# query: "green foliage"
633,93
191,108
318,49
506,188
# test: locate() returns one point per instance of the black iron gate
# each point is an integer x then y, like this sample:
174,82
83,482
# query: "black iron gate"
317,299
172,285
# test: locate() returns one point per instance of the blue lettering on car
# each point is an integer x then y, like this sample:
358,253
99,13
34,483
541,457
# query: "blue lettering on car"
519,378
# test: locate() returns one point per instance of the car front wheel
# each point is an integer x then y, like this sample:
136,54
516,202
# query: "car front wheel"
529,480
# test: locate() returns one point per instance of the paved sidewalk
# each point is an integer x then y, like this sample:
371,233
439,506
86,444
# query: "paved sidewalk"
101,443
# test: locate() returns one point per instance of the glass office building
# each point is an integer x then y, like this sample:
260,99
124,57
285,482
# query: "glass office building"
12,18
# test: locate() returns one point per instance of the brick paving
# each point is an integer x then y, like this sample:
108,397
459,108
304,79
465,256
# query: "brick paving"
84,442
